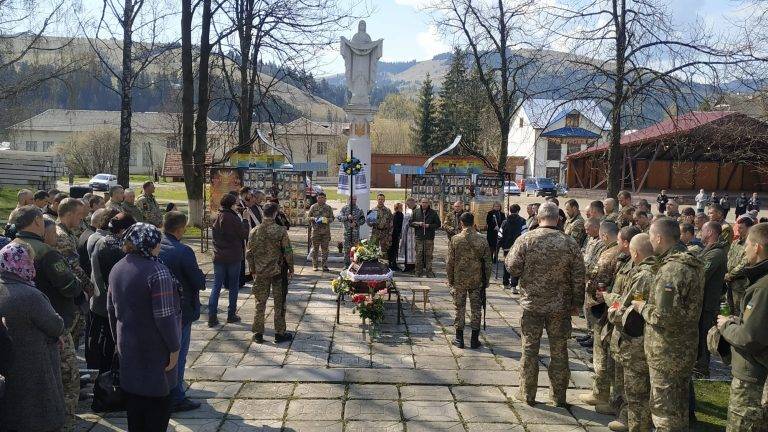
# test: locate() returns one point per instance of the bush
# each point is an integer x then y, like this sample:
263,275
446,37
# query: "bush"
91,153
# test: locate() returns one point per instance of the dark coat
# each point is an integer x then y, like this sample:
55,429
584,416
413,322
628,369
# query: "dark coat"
511,229
182,262
429,217
715,259
229,233
397,226
493,220
34,399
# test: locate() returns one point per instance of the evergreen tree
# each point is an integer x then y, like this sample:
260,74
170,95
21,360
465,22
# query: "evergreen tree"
424,132
452,97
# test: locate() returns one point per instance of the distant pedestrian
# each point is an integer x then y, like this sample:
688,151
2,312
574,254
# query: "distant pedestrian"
701,201
725,203
510,230
662,199
742,202
754,203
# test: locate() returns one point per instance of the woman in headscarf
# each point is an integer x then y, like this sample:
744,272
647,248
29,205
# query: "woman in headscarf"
108,251
34,397
144,309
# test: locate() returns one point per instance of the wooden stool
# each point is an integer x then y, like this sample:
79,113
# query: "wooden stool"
424,290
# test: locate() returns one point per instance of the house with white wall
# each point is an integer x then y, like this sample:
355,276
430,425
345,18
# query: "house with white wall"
545,131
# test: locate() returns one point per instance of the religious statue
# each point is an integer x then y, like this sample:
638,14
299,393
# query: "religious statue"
361,56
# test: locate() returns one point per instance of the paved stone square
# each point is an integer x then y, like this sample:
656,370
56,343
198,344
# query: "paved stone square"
337,377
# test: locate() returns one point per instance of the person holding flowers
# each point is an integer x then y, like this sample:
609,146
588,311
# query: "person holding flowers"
320,217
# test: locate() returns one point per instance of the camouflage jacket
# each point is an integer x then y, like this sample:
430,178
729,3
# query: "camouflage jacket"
624,268
574,227
611,217
622,221
358,217
134,211
551,271
592,251
468,255
317,211
150,210
66,244
715,264
269,249
727,235
451,224
111,205
382,229
604,270
640,279
736,264
672,311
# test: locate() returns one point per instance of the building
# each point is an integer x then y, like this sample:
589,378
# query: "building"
304,140
545,131
382,178
715,150
152,134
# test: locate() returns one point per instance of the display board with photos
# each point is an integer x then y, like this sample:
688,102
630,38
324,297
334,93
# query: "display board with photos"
489,188
290,188
427,186
456,187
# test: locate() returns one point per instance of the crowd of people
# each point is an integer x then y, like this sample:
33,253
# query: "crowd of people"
112,276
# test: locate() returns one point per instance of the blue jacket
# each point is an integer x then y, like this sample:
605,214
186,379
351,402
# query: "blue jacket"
181,260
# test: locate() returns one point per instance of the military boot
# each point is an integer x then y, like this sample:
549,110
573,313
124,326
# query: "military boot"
618,426
474,343
459,339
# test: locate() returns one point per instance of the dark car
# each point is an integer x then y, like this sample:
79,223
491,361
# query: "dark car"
539,186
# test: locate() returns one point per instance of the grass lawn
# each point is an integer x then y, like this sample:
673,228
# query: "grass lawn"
7,203
711,405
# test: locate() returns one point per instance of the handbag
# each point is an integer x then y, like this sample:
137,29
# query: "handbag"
107,394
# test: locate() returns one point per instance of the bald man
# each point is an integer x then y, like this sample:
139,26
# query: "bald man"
452,224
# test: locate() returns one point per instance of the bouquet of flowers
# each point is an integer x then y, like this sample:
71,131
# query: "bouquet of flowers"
366,251
351,166
341,286
370,307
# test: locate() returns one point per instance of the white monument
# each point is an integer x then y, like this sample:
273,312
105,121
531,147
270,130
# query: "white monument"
361,56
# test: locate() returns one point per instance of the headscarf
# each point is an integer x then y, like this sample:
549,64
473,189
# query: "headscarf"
144,237
15,258
4,241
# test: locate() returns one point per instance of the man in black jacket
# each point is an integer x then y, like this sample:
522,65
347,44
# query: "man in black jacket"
397,229
510,230
425,221
181,260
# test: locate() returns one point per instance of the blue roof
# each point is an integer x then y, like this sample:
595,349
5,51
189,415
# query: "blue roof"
544,112
407,169
570,132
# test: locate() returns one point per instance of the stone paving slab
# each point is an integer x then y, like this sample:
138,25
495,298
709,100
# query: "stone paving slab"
425,393
429,411
314,409
372,410
480,412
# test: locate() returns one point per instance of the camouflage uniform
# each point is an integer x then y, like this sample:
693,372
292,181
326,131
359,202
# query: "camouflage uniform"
671,335
468,255
551,271
574,227
321,232
150,210
736,263
727,234
134,211
603,272
381,231
624,270
629,351
611,217
351,233
622,221
111,205
592,251
66,244
425,239
269,251
452,225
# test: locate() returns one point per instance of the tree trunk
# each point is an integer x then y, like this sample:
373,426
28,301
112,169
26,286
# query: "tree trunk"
615,180
126,87
187,113
196,189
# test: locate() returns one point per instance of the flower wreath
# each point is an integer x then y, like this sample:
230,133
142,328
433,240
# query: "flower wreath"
351,166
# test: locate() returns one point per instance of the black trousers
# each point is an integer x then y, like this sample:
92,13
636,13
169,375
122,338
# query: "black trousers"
99,346
147,414
392,252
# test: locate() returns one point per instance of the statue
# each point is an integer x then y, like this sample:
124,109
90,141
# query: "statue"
361,56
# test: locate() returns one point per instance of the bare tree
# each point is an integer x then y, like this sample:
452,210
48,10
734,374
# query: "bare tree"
637,59
91,153
500,42
112,36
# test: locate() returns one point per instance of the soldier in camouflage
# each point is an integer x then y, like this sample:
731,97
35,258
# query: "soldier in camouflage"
551,271
609,206
150,210
116,198
320,217
626,210
600,279
671,315
381,230
452,224
747,336
717,214
574,225
351,217
424,221
468,267
714,258
596,209
269,252
594,246
129,206
735,278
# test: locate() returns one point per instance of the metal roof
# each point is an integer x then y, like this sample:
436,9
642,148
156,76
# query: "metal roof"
570,132
544,112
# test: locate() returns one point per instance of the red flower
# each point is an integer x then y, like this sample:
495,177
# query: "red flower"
359,298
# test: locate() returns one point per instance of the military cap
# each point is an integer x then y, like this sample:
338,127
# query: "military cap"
633,323
599,312
718,346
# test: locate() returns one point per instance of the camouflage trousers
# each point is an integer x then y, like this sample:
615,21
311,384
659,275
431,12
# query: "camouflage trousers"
460,294
261,288
320,245
670,399
351,238
78,328
381,239
558,326
637,386
603,363
745,410
70,378
424,251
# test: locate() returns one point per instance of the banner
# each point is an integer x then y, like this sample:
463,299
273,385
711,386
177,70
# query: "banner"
361,184
260,161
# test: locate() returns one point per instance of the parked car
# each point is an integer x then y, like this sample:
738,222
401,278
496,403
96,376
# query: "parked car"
511,188
562,190
539,186
102,182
